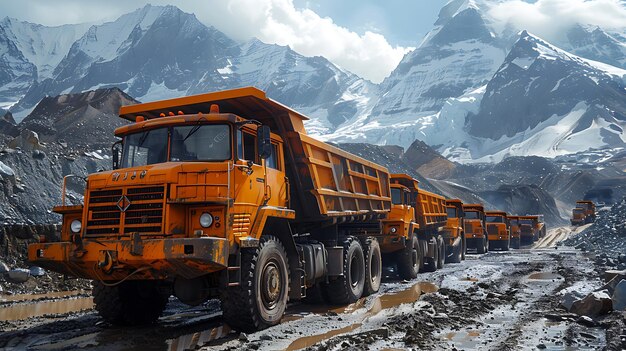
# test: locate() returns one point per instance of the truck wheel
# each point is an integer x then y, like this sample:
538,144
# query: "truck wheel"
482,247
410,260
261,298
349,287
133,302
373,266
431,263
506,245
441,245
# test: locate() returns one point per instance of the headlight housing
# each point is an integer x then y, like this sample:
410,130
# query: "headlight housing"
206,220
76,226
394,229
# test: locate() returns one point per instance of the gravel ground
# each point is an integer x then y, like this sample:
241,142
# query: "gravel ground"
497,301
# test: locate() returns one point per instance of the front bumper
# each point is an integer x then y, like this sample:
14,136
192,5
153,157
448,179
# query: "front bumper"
115,259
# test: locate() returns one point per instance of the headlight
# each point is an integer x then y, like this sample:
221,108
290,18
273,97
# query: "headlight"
206,220
394,229
75,226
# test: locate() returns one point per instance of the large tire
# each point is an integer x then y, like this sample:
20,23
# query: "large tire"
441,246
515,243
411,260
481,249
349,287
507,245
133,302
260,300
373,266
431,263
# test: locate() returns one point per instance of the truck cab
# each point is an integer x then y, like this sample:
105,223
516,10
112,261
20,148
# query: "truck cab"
454,232
529,229
475,231
498,230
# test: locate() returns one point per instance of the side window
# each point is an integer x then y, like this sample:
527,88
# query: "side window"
272,161
249,147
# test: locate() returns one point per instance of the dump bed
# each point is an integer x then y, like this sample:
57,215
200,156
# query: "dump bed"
326,182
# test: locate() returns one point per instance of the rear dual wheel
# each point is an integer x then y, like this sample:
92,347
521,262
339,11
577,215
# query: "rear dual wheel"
411,259
373,266
349,287
132,302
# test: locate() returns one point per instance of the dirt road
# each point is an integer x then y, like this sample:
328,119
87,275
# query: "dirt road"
497,301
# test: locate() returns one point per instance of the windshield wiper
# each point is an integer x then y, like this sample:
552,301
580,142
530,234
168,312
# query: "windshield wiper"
194,129
144,137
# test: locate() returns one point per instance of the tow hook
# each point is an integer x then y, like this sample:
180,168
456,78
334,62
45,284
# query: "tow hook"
105,261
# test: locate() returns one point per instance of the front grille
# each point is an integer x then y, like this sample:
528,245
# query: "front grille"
144,213
492,229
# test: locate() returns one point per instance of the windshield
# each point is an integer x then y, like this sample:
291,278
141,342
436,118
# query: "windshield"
495,219
515,222
578,210
145,148
471,215
208,142
451,212
526,221
201,143
396,196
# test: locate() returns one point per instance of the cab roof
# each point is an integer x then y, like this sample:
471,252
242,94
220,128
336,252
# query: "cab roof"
248,102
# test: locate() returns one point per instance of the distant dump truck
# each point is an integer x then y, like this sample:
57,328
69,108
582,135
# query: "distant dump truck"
498,230
532,229
584,213
426,243
475,231
516,232
223,195
454,231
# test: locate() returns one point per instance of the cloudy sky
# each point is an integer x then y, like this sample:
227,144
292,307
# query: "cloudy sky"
367,37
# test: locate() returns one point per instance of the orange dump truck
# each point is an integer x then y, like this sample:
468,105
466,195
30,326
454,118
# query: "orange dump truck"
412,232
498,230
475,232
516,232
585,212
222,195
453,232
532,228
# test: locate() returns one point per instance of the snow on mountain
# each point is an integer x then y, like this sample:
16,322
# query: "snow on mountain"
542,101
596,44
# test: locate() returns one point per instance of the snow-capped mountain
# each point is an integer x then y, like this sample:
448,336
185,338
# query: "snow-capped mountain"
30,53
161,52
469,72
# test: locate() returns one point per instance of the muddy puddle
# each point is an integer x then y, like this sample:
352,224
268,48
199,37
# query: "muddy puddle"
564,336
545,276
307,341
463,339
379,304
19,311
31,297
195,340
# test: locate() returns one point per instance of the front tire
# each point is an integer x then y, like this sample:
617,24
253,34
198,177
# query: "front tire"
441,245
373,266
410,260
482,248
349,287
261,298
133,302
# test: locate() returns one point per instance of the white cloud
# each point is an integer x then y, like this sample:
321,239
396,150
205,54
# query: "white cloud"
550,19
278,22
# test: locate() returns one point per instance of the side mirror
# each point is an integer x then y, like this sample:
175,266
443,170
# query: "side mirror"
115,150
264,144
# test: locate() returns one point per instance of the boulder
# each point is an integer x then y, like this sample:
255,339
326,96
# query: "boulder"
37,271
619,296
596,304
18,275
27,140
569,298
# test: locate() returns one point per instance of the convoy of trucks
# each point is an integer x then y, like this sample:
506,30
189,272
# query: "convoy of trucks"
224,195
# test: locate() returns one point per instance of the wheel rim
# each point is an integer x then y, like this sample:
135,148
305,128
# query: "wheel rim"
271,285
